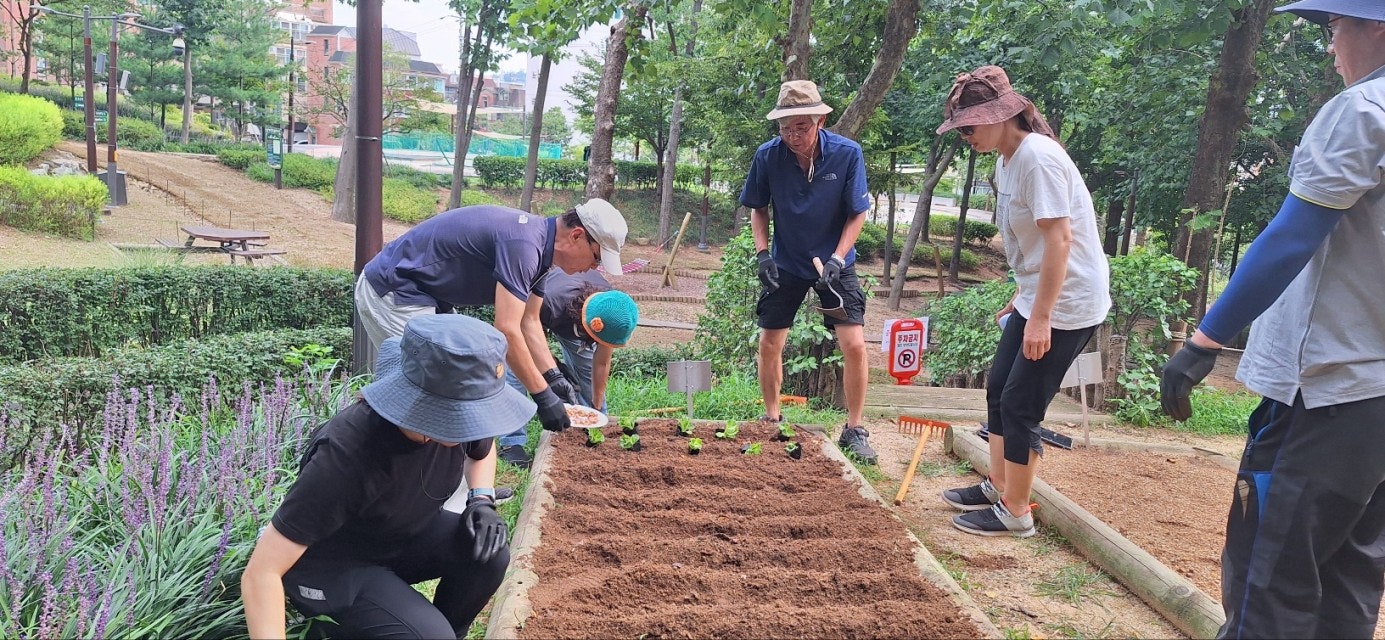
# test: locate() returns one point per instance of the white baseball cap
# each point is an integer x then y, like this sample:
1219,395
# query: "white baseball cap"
607,227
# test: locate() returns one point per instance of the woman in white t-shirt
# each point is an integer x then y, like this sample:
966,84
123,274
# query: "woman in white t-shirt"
1049,229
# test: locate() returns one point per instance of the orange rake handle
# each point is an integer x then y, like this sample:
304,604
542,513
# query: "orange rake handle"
928,427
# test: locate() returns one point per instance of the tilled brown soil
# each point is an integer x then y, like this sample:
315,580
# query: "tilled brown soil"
659,543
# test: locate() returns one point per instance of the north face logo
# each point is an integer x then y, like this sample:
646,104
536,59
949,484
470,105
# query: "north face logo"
829,176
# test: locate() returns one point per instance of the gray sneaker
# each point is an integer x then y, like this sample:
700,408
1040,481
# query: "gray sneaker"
996,521
504,494
973,498
853,441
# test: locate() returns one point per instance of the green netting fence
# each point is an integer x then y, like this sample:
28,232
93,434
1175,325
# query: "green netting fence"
480,145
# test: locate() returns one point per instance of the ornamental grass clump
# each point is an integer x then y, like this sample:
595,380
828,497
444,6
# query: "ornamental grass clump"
145,532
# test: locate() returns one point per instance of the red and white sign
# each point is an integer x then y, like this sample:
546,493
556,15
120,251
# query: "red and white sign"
907,340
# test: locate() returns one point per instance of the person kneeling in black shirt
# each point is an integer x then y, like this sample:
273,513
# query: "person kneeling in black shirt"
365,520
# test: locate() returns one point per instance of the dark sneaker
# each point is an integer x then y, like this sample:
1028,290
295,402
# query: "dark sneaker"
504,494
516,455
853,441
996,521
973,498
765,418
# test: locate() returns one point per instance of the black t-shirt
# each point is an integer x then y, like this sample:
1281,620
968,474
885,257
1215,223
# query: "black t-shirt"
364,487
559,290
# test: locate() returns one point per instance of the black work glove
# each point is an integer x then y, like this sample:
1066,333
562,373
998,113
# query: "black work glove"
488,531
831,274
561,385
552,414
1184,370
768,271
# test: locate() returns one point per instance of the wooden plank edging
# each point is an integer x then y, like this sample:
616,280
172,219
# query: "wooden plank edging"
512,606
1172,595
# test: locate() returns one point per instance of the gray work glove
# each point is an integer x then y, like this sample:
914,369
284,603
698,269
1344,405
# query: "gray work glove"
561,385
1184,370
487,529
767,271
552,413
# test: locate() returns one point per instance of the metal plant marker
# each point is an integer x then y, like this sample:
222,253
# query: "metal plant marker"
689,376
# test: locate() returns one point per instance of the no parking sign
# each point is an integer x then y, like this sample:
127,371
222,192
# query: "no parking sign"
906,340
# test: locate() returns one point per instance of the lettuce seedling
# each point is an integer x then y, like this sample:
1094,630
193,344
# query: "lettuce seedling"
685,427
627,425
752,449
694,446
729,431
630,443
595,437
786,432
794,449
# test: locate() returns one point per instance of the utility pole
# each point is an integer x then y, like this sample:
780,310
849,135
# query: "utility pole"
113,108
293,81
89,91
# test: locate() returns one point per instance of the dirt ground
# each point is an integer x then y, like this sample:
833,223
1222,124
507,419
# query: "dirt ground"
659,543
1017,582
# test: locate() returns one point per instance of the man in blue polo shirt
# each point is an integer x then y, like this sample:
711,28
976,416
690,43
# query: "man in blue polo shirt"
492,255
816,181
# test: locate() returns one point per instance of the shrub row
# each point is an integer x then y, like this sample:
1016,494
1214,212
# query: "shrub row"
299,170
506,171
89,312
974,231
870,245
28,126
72,391
62,205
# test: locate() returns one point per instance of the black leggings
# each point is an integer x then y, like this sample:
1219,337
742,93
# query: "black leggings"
1018,390
377,599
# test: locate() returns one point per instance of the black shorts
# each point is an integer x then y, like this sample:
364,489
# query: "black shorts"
776,309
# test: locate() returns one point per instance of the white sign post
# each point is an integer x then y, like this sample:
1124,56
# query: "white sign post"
1085,370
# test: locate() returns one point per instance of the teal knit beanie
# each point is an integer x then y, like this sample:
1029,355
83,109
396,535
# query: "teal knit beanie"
610,317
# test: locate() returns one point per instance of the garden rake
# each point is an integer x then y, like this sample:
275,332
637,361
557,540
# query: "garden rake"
924,428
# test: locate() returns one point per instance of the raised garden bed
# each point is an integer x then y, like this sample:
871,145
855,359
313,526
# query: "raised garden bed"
662,543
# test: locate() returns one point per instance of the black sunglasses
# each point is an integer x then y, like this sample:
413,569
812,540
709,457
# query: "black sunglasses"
966,131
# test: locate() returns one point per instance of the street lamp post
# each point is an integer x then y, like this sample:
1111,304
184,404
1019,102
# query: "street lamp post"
117,197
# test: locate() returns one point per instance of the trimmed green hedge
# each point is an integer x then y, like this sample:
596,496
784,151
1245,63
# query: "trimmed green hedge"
299,170
73,391
405,202
240,156
88,312
28,126
975,231
62,205
870,245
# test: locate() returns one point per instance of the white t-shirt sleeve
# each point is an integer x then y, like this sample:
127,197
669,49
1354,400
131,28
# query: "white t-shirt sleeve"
1048,190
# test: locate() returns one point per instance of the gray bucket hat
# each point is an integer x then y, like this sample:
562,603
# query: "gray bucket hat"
445,379
1320,10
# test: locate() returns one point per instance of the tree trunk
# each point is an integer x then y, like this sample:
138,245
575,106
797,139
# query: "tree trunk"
462,134
961,220
531,169
670,170
344,187
819,382
601,168
1222,119
26,44
1115,212
939,158
187,94
796,43
901,24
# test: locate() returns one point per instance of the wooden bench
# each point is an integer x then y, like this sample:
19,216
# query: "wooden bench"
170,243
251,254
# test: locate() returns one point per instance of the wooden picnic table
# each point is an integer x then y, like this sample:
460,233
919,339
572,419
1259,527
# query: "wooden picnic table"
235,242
228,239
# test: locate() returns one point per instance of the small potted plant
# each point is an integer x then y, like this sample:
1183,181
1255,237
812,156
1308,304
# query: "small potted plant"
628,425
595,437
795,450
786,432
631,442
729,431
752,449
685,427
694,446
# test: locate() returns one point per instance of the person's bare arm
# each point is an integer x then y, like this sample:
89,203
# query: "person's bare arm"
1053,270
535,337
850,233
262,583
481,473
759,227
601,372
509,320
